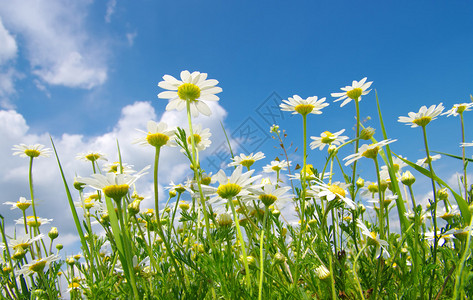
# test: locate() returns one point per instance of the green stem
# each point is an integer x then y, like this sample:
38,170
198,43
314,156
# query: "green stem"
242,243
356,274
266,212
381,201
357,142
434,211
465,182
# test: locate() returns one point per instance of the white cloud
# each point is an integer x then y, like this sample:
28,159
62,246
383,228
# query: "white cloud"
111,4
130,37
9,49
48,187
60,50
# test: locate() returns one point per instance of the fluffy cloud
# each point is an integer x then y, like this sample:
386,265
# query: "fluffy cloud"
8,52
9,48
59,48
49,190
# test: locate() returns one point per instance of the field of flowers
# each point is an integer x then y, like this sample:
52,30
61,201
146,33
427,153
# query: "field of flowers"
231,240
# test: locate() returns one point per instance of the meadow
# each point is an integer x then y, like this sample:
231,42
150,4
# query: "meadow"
231,240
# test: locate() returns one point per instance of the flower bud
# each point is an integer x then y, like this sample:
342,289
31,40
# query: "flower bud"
367,133
59,247
53,233
360,183
224,219
322,272
443,194
279,258
134,207
407,178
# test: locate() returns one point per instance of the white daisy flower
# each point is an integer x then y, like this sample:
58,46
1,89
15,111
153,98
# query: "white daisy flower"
328,138
276,166
460,233
423,161
31,150
333,191
269,194
246,160
235,185
91,156
22,204
423,117
24,241
297,105
398,164
447,215
441,238
158,135
353,92
115,168
201,138
113,185
373,239
37,266
194,87
368,151
458,109
466,144
33,222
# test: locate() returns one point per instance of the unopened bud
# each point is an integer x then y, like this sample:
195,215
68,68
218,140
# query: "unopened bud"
407,178
367,133
53,233
360,183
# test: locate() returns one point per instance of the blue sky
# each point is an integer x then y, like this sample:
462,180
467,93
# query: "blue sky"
86,72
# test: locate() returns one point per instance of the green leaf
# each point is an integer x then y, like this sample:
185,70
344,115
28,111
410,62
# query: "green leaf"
462,204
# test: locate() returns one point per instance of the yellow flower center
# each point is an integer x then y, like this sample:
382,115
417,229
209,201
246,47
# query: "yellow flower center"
184,206
32,152
88,204
92,156
355,93
247,162
197,139
38,266
461,108
188,91
276,168
422,121
337,190
206,180
22,205
114,168
267,199
228,190
447,216
74,285
307,170
304,109
371,152
22,245
116,192
328,138
372,240
157,139
31,221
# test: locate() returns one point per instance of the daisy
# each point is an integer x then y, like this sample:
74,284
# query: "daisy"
269,194
235,185
22,204
246,160
91,156
423,161
33,222
31,150
447,215
297,105
116,167
373,239
398,164
37,266
157,136
368,151
423,117
466,144
328,138
195,88
276,166
460,233
201,138
458,109
333,191
353,92
24,242
113,185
